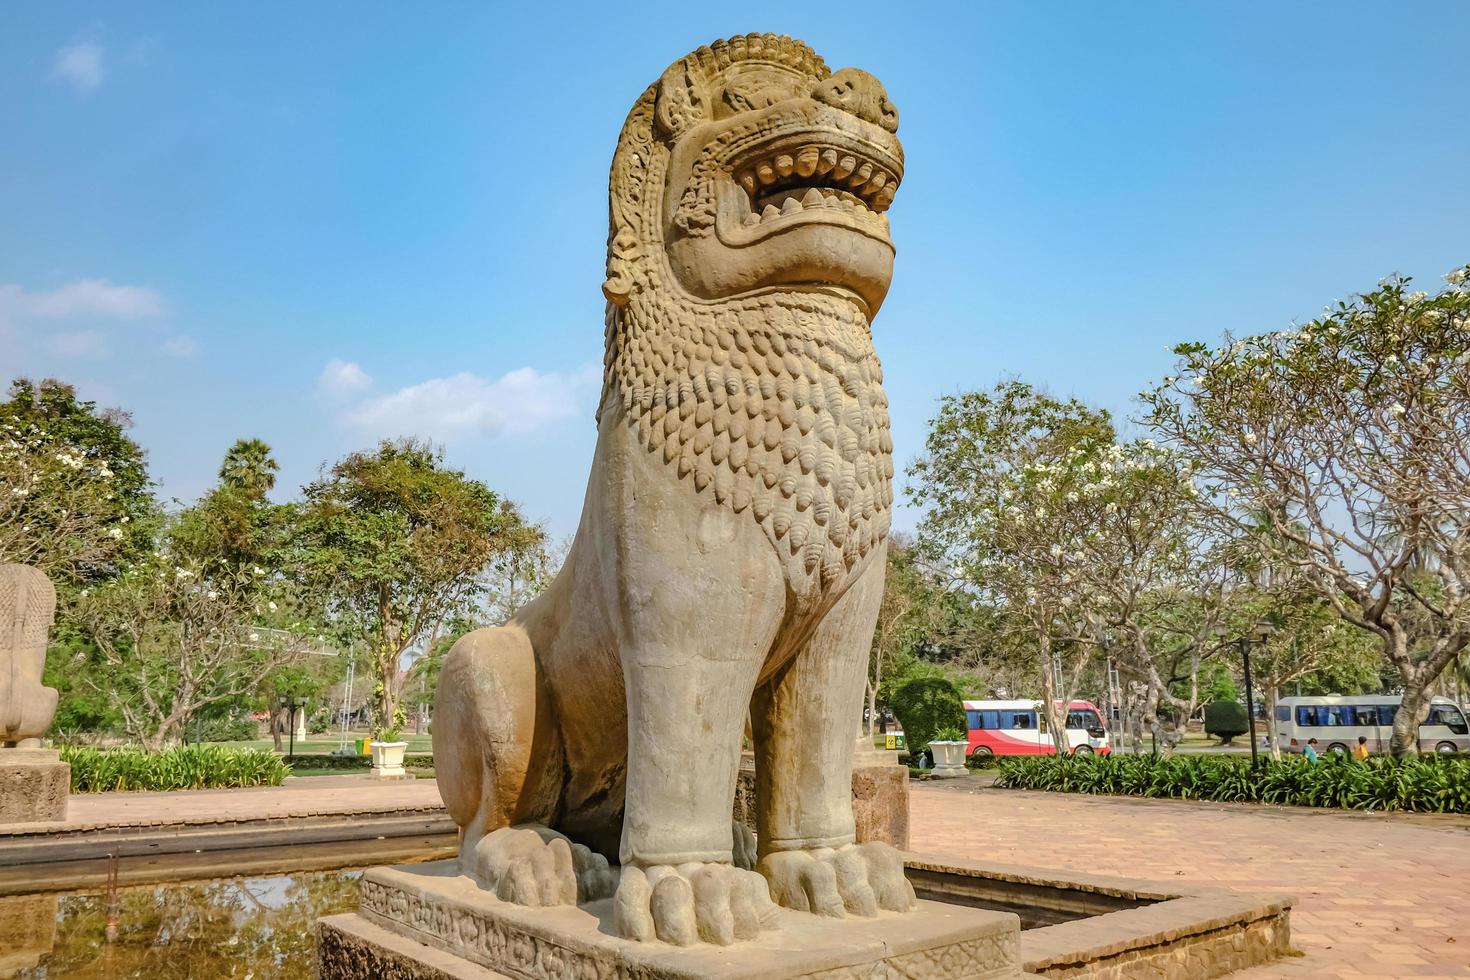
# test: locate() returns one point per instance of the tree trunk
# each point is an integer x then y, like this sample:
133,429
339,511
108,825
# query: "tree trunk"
1411,714
1272,695
1052,709
276,727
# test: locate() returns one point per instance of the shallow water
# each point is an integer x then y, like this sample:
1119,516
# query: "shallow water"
241,928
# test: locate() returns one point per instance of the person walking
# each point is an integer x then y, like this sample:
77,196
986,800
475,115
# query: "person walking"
1360,751
1310,752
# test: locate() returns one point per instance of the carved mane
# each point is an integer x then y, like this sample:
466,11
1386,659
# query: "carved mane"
772,403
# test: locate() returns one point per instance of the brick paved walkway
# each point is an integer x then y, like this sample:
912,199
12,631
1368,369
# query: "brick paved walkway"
298,797
1378,895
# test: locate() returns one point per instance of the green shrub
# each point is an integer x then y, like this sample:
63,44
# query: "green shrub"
1226,720
1426,784
187,767
923,707
237,729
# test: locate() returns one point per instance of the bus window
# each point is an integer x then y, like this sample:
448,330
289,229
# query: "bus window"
1024,719
990,719
1447,715
1386,713
1306,715
1084,720
1347,714
972,718
1283,713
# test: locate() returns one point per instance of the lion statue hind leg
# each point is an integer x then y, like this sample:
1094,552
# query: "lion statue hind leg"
497,755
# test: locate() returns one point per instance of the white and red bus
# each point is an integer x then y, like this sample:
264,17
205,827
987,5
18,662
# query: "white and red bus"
1019,728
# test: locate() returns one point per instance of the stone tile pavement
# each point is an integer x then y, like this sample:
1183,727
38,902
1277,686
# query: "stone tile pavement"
1378,895
312,796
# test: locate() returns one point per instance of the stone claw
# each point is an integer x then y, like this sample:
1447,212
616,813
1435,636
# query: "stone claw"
534,866
855,879
689,903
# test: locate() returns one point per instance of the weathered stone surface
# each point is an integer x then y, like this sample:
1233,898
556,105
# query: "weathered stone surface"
27,605
448,912
34,785
730,558
880,803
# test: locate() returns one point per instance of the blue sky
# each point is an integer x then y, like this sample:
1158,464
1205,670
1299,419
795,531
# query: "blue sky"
323,223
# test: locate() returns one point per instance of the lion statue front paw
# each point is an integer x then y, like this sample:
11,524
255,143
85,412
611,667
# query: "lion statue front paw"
690,903
535,866
856,879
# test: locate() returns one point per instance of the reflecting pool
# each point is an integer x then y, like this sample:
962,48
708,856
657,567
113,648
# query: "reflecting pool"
260,928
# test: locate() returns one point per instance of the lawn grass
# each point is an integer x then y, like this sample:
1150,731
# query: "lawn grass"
327,744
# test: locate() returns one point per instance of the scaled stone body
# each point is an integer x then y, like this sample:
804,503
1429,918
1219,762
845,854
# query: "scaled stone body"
729,560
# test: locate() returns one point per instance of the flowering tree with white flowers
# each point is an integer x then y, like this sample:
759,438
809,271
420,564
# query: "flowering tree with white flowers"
1349,436
173,638
72,485
1012,481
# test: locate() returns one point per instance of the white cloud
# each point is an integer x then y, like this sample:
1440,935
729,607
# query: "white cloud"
181,346
466,405
96,297
83,343
80,65
340,378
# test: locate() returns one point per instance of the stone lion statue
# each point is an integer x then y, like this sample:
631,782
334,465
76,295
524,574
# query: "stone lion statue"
27,607
730,557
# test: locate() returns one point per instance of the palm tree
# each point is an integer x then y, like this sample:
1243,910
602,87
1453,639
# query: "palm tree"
249,467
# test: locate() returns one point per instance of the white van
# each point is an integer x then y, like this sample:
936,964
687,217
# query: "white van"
1336,721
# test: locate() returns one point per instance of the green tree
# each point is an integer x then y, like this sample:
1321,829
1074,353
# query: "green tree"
397,544
1348,437
924,705
249,467
75,498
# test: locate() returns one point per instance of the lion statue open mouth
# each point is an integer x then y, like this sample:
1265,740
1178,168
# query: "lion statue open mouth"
729,560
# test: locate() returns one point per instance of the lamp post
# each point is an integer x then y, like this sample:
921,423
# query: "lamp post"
1258,633
292,704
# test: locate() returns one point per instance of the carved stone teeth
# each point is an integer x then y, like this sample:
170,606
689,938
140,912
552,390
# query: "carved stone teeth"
752,219
747,180
790,206
806,161
860,176
770,212
812,198
844,167
766,172
827,160
784,163
875,185
885,196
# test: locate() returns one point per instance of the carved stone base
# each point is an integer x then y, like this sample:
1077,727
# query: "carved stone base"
34,784
433,905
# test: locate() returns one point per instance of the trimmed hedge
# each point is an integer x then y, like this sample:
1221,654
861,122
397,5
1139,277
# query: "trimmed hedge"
186,767
1428,784
925,705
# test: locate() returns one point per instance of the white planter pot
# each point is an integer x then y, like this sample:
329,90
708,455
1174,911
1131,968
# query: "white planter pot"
388,758
949,758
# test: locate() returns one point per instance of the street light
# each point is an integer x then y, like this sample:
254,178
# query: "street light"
1260,633
292,704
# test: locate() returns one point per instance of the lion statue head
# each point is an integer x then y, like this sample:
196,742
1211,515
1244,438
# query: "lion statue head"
750,166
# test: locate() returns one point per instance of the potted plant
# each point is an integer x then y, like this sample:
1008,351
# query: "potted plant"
388,749
948,749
